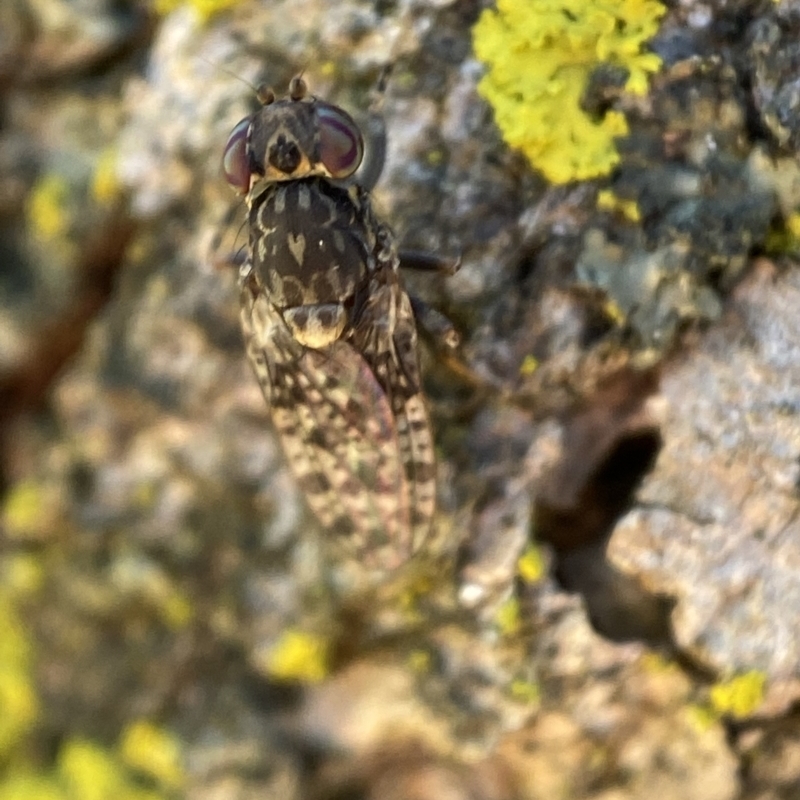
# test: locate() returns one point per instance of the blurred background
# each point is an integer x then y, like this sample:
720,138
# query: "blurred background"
608,606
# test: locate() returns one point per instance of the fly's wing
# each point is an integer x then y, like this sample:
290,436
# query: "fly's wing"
339,433
386,335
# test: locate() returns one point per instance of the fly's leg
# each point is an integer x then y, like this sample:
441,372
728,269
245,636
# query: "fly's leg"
444,342
438,331
375,135
230,260
435,325
427,262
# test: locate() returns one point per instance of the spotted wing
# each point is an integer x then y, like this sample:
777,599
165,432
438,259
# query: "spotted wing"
339,431
386,336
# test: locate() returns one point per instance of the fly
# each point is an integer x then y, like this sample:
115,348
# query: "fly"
329,329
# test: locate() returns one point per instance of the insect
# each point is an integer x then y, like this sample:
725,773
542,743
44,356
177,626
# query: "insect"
329,329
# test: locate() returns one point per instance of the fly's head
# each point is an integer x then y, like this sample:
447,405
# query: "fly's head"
291,138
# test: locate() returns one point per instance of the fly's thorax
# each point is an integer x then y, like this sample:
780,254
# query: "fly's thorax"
310,243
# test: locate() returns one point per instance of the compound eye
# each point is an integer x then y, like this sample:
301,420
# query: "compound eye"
341,147
235,162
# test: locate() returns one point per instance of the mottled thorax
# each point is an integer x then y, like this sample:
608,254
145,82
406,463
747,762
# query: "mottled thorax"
310,244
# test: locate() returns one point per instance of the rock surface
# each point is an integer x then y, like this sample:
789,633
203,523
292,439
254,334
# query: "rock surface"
156,554
716,523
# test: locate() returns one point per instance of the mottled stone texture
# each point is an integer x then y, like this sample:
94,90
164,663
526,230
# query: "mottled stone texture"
716,523
564,633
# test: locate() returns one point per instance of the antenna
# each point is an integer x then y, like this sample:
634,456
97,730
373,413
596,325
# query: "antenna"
239,78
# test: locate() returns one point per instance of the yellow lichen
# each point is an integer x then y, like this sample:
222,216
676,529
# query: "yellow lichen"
105,183
783,239
655,664
525,691
204,9
28,786
47,207
150,583
21,574
419,661
540,54
614,312
19,705
414,587
152,751
84,770
528,366
90,772
793,225
177,610
434,157
298,656
608,201
15,645
28,511
740,696
84,766
701,718
508,617
530,565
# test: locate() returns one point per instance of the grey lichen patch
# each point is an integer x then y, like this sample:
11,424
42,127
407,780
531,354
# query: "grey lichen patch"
655,291
703,206
775,55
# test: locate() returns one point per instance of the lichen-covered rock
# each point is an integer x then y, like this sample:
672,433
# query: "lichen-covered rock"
716,523
776,60
178,596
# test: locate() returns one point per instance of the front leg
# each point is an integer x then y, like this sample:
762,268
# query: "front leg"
375,135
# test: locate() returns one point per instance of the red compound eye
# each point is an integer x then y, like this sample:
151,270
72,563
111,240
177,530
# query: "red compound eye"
235,162
341,147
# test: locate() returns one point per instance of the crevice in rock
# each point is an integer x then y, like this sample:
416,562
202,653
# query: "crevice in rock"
609,446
